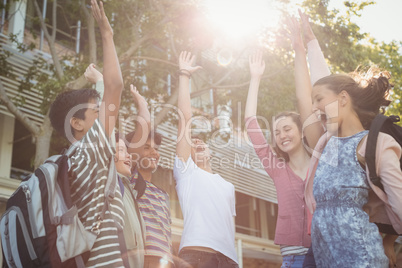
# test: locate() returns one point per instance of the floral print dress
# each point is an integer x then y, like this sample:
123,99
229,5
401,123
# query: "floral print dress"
342,235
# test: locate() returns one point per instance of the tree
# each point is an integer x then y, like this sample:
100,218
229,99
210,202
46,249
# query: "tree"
346,47
149,36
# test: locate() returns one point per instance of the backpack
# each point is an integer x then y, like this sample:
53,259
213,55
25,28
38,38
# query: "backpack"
40,227
381,123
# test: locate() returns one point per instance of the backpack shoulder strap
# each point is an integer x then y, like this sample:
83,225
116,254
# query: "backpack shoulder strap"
370,156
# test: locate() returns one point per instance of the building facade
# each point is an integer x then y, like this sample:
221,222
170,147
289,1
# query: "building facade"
234,159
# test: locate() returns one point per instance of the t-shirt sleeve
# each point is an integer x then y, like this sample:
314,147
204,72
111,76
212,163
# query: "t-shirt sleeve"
261,147
92,156
182,170
318,65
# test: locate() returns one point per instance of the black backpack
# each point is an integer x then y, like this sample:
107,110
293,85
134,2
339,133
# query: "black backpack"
28,228
381,123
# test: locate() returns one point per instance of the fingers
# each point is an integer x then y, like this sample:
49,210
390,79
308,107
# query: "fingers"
102,11
90,68
196,68
186,56
256,58
303,16
294,27
186,61
133,90
98,13
95,9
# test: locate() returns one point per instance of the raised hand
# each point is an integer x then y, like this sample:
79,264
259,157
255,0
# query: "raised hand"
92,75
99,14
139,100
295,34
257,65
186,61
307,31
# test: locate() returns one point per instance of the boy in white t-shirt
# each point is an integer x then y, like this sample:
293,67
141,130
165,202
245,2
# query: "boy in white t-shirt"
206,199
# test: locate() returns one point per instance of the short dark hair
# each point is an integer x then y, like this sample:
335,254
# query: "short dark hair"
66,101
153,134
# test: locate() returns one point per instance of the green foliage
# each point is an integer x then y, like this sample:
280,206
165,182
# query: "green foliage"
159,30
346,47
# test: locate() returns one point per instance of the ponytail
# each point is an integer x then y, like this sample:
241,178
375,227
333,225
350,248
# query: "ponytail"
369,91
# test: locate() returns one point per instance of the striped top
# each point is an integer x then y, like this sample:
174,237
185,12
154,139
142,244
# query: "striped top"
293,250
89,170
154,208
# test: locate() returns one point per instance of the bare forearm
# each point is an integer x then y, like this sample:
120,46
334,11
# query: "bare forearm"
252,97
183,148
312,128
303,86
144,114
112,76
184,100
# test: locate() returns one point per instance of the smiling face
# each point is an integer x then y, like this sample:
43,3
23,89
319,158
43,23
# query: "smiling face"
123,159
328,105
147,156
287,135
200,152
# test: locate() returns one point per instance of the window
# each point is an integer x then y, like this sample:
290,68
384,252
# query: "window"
255,217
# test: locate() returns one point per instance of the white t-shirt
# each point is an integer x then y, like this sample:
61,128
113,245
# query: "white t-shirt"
208,205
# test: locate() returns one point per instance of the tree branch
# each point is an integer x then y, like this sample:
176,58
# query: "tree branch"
56,62
80,82
126,55
91,33
54,20
22,117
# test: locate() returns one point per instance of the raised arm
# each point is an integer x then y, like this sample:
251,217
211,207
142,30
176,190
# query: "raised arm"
318,65
142,121
312,127
183,149
261,147
113,80
93,76
257,67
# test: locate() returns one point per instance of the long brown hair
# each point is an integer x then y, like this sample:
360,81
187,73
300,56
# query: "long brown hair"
368,90
296,119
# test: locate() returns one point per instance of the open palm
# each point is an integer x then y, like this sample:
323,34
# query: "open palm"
186,61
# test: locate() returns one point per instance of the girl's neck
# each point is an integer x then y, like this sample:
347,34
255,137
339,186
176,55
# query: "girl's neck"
146,174
350,127
299,159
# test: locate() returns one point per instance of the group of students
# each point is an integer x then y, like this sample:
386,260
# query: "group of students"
116,199
326,203
131,215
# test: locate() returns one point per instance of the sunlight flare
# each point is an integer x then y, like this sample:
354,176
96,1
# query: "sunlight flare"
239,18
